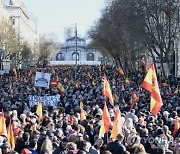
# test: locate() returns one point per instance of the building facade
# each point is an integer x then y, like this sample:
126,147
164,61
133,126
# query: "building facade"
75,51
24,24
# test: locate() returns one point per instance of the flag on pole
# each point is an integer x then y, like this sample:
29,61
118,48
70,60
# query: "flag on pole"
89,75
176,91
107,91
117,126
150,83
82,114
3,130
39,109
176,126
81,105
77,85
134,98
106,121
14,72
60,88
127,81
120,71
10,136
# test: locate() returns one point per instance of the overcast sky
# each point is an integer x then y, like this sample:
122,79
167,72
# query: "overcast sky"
54,15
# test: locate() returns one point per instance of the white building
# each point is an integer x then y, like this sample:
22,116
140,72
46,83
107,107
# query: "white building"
24,24
72,53
3,13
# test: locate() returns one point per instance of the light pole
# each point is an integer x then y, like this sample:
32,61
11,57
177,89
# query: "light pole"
76,42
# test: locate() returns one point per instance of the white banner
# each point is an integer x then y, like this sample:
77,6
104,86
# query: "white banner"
46,100
42,79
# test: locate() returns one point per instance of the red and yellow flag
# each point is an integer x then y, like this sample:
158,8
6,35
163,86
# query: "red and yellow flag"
150,83
106,122
176,126
81,105
107,91
10,136
3,130
117,126
82,114
14,72
127,81
39,109
89,75
134,98
120,71
77,85
60,88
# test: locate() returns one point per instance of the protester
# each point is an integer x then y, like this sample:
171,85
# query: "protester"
63,129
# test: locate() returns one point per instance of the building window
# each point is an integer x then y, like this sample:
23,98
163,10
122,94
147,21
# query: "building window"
90,57
10,2
12,20
74,56
60,57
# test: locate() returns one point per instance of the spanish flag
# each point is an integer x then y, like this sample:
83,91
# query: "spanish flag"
81,105
117,126
134,98
82,114
106,122
14,72
120,71
176,126
60,88
176,91
10,136
77,85
150,83
3,130
127,81
39,109
107,91
89,75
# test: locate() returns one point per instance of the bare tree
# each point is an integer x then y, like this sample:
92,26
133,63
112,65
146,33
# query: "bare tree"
117,31
46,47
160,28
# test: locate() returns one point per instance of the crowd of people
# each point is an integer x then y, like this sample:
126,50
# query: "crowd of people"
60,130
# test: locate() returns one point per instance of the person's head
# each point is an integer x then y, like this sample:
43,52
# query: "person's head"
99,142
50,135
35,134
71,146
26,136
59,133
60,123
25,151
47,146
64,142
106,152
33,144
6,147
120,137
161,150
86,146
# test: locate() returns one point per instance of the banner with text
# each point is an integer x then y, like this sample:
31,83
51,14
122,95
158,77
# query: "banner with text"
46,100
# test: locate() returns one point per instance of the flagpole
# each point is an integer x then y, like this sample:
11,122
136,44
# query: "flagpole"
107,137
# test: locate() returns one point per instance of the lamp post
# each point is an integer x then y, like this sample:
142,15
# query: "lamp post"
76,42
